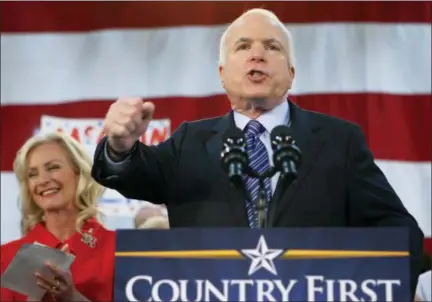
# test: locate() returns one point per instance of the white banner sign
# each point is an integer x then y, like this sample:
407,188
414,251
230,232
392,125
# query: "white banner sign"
90,131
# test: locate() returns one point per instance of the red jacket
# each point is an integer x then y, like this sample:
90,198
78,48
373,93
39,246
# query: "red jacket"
93,268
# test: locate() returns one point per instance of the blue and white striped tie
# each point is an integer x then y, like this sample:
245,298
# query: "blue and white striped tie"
259,161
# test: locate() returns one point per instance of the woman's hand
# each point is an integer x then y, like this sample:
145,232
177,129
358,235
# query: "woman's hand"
60,284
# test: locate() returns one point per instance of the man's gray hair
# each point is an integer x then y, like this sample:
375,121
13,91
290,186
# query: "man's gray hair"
271,16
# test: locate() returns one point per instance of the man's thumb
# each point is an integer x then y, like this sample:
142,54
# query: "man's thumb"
147,110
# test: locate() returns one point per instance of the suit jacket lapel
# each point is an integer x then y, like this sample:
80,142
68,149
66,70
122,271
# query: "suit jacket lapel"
310,144
234,196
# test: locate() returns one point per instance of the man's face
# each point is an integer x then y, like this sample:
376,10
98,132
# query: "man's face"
256,62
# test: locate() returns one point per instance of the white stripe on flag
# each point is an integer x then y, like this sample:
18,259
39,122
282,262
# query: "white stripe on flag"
35,68
412,182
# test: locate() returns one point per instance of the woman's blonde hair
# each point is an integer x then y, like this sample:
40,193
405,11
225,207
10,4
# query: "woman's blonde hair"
88,190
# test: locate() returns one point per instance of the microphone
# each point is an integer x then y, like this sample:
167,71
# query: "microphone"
234,157
286,159
286,155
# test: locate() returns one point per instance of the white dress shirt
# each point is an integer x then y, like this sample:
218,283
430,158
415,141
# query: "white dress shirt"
278,116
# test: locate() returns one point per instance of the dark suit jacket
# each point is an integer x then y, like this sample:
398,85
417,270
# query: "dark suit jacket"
338,183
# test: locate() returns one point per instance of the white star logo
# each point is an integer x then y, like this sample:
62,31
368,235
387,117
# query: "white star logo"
262,257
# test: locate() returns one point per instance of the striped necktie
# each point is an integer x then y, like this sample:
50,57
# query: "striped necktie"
259,161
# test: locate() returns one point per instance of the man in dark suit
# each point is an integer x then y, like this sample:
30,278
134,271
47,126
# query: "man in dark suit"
338,183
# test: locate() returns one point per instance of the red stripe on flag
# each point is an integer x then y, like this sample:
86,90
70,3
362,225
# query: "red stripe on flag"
428,245
35,16
396,127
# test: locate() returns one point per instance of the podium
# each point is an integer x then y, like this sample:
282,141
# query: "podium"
235,264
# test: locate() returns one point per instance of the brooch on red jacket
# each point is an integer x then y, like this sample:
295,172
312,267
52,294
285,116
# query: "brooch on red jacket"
88,239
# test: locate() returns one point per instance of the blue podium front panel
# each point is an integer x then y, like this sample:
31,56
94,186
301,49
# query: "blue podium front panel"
262,265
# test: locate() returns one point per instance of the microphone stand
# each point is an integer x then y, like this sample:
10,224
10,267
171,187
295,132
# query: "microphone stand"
266,212
262,204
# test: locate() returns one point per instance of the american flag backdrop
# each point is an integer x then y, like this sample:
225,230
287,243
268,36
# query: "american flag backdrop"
367,62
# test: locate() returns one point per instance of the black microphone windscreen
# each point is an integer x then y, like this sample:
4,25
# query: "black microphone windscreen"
234,133
280,131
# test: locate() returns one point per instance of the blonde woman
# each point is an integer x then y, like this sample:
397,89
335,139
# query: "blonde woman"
59,199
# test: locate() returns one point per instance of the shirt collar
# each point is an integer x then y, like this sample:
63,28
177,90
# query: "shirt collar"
39,234
277,116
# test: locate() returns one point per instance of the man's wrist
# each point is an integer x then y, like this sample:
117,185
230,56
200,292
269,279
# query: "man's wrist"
119,156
